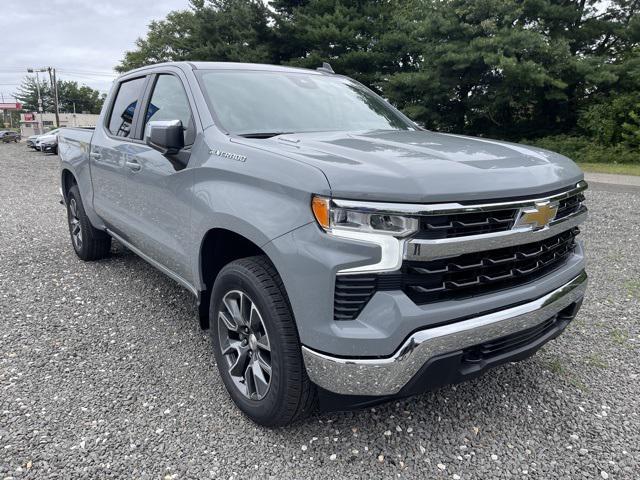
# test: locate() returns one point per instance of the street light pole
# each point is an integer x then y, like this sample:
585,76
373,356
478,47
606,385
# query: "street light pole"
54,88
41,125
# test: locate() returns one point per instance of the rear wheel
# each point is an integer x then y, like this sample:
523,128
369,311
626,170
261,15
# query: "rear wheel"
88,242
256,344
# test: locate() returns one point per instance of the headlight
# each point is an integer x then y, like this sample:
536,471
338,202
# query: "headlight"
386,230
334,218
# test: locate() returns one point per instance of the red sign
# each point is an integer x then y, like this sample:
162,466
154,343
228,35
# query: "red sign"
29,117
10,106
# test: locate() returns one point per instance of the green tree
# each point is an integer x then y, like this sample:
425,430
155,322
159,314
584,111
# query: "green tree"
503,68
509,68
85,98
27,94
631,129
359,38
211,30
72,96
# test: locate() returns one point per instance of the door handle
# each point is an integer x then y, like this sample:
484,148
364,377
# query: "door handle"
133,165
95,155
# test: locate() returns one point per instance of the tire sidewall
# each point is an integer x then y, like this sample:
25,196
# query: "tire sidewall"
235,277
75,194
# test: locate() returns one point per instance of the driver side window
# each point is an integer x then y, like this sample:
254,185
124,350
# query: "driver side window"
169,102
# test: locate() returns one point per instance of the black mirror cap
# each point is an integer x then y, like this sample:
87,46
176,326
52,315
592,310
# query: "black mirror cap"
166,136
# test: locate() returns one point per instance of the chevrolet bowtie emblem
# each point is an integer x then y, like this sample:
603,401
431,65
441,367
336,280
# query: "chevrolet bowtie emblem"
537,217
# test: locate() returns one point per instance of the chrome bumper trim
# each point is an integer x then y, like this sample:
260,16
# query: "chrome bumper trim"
387,376
424,250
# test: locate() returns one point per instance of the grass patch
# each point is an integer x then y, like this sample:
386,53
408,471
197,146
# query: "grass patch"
633,287
555,366
578,384
597,361
619,337
615,168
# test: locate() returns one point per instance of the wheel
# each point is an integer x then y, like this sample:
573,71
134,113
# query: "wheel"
256,344
88,242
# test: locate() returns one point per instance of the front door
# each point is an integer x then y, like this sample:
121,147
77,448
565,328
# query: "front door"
158,193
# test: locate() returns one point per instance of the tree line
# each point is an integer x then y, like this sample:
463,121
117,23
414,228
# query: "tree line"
71,96
564,73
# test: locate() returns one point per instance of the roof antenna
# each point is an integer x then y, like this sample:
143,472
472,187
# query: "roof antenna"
326,67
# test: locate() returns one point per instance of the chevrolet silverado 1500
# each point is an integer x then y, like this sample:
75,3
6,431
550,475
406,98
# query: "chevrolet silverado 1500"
341,255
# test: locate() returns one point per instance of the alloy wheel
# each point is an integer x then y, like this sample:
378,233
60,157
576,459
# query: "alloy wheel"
244,343
74,224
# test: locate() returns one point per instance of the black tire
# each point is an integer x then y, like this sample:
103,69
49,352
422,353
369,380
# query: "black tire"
93,244
290,396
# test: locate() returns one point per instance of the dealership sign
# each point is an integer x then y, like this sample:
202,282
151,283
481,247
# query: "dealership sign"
10,106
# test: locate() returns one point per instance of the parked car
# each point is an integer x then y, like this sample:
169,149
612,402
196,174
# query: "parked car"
48,142
31,141
341,255
7,136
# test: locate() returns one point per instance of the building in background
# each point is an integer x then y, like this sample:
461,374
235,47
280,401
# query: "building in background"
29,122
6,113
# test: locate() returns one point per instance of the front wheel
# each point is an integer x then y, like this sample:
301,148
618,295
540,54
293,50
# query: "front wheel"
256,344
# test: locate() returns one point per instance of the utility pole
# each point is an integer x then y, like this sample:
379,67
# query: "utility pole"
32,70
54,89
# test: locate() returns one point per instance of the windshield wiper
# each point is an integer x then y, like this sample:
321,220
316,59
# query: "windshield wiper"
263,134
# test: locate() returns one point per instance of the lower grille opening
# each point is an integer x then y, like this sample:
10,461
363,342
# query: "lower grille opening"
504,345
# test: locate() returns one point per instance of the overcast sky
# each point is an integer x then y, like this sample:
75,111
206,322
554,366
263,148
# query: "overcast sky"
82,39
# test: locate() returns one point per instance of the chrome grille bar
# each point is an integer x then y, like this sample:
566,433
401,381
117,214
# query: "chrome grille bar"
450,208
423,250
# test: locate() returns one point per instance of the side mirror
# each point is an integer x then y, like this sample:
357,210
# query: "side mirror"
165,136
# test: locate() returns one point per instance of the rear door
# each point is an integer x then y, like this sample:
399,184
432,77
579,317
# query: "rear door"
113,146
159,192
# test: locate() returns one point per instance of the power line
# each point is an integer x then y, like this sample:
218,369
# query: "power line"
89,72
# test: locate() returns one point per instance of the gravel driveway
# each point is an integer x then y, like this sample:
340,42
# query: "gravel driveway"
105,373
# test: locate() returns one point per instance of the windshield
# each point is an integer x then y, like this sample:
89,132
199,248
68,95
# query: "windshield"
255,103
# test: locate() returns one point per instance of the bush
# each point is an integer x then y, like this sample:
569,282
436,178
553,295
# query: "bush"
607,121
582,149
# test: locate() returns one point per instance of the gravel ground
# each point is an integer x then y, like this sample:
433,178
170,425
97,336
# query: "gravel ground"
104,372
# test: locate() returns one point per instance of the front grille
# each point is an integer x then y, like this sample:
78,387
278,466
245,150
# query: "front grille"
482,272
569,206
464,275
463,224
456,277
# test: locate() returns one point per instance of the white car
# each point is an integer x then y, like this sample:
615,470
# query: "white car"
48,142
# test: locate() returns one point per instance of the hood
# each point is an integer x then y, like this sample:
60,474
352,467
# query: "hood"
46,138
423,166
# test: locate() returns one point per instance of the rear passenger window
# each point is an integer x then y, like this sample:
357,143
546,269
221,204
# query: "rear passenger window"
124,108
169,102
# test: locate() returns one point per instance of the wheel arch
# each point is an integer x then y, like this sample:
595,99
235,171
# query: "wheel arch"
218,247
67,180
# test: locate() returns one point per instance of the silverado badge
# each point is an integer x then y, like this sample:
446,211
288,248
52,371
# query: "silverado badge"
232,156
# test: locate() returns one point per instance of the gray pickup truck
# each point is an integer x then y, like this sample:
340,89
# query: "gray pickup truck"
341,255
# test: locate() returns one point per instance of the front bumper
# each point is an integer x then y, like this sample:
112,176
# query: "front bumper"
380,377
